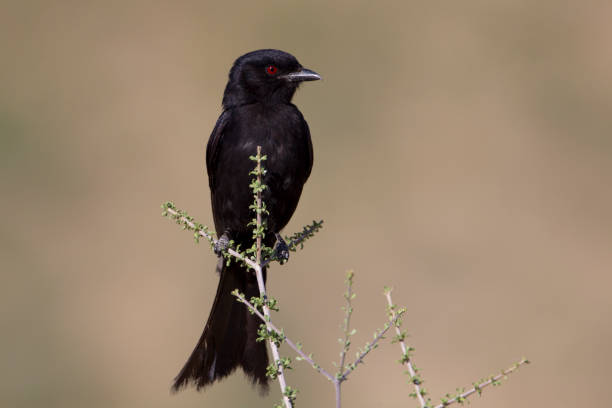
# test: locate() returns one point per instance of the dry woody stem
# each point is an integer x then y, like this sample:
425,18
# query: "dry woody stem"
405,352
262,290
290,343
416,381
479,386
348,296
254,260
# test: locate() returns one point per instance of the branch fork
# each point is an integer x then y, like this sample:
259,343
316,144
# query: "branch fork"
253,259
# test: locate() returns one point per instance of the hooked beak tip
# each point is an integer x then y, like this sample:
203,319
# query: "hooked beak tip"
303,75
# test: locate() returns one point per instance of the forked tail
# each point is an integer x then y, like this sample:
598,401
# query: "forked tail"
229,337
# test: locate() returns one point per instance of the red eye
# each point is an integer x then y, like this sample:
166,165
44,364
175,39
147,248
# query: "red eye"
271,70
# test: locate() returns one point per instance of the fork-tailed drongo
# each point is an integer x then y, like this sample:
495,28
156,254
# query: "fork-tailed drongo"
257,111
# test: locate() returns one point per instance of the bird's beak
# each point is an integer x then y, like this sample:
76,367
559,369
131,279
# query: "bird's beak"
302,75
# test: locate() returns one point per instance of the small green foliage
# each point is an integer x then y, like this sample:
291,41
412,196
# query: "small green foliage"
188,223
259,223
349,295
258,158
296,241
460,399
399,338
406,356
349,277
361,353
257,187
285,362
273,304
258,206
238,294
259,301
291,393
462,395
270,335
261,253
273,369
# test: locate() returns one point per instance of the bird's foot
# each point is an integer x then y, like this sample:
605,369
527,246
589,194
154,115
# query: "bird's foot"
221,245
281,250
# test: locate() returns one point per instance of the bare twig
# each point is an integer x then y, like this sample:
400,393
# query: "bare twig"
479,386
371,346
347,320
273,347
287,340
416,381
298,238
406,353
258,264
340,377
262,287
186,222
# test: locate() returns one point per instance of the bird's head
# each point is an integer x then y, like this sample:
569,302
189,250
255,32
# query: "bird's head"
268,76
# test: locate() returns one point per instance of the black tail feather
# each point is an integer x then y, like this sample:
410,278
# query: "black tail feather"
229,337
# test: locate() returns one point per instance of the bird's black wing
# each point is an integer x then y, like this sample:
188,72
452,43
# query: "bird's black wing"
308,141
214,143
310,153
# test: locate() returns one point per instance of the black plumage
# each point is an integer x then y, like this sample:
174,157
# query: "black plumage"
257,111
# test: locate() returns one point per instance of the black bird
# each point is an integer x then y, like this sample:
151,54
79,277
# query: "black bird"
257,111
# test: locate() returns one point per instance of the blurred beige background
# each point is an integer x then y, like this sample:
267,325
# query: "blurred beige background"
463,155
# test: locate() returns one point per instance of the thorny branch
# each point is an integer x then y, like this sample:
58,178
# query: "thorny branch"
348,296
262,286
406,353
371,346
340,377
416,380
479,386
188,223
290,343
201,231
258,265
